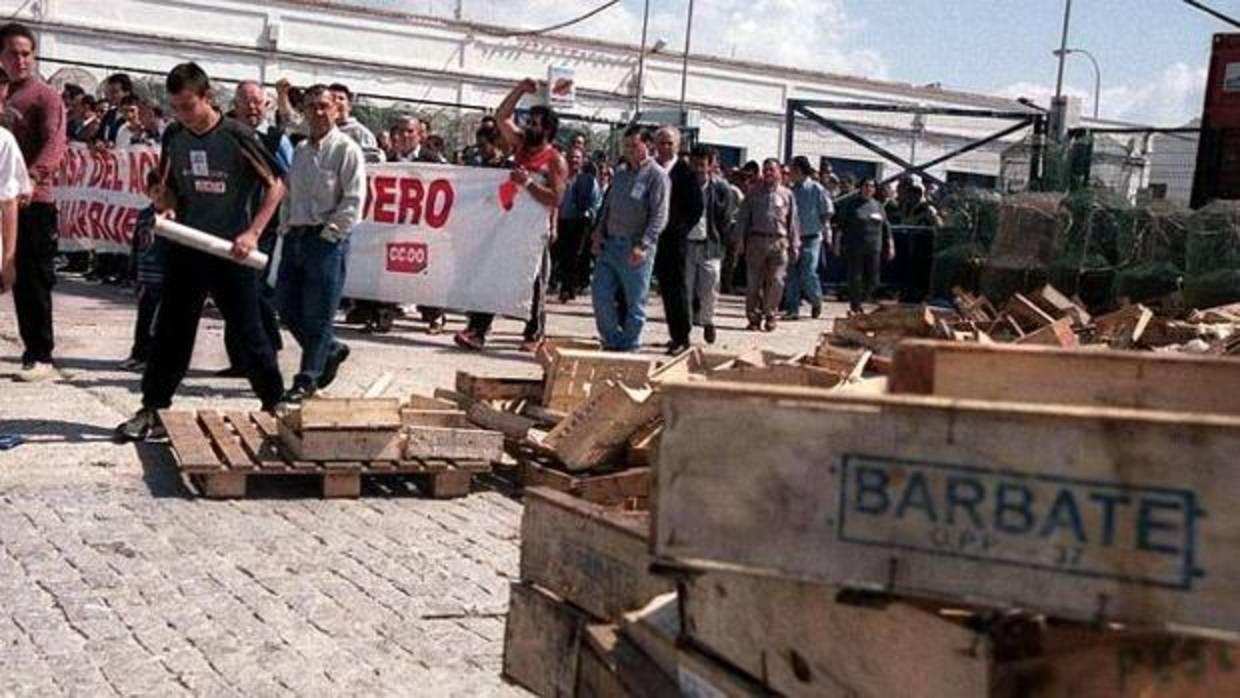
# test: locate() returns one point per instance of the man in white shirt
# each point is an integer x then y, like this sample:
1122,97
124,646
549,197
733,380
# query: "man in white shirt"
327,187
14,183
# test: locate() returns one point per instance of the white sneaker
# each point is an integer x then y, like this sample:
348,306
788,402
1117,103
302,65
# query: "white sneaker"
36,371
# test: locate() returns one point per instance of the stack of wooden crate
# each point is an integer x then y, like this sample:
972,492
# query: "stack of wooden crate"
1007,521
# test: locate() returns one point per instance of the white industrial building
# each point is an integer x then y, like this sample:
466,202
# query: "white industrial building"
446,64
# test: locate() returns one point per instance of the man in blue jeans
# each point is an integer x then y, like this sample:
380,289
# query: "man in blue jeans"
327,186
814,210
624,243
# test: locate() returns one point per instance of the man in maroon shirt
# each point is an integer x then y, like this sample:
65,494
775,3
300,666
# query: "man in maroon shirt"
39,126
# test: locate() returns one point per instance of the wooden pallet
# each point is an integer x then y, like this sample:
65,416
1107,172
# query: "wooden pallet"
221,451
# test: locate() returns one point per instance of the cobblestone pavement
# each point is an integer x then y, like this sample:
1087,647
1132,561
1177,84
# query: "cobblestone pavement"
114,580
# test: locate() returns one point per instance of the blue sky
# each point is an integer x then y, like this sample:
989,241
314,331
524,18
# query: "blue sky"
1152,53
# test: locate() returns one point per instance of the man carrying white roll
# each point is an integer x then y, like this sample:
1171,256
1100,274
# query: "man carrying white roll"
211,166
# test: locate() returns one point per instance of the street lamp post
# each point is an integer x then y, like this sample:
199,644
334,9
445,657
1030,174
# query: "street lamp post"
1063,47
641,62
684,69
1097,73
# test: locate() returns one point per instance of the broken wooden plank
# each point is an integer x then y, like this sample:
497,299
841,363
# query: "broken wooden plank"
1078,512
449,418
1027,314
514,426
422,402
541,641
1057,334
612,667
459,444
1124,327
655,629
1057,305
801,642
1006,373
594,557
600,428
487,388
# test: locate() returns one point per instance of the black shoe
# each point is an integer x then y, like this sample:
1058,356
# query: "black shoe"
332,367
816,311
709,334
296,395
145,425
232,372
677,349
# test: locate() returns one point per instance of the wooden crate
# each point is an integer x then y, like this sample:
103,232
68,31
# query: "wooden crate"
343,430
594,557
459,444
488,388
1077,512
626,489
598,431
541,641
1043,375
573,374
800,641
221,451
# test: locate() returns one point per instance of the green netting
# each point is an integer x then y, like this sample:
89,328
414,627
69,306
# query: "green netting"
1021,254
1214,238
958,265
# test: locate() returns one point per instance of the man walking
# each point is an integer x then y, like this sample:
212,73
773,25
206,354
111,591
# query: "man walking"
771,236
39,128
814,210
624,243
577,213
865,235
250,108
211,167
14,184
326,189
708,239
541,170
684,212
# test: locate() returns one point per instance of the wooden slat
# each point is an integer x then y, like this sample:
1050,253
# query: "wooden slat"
487,388
541,641
350,413
227,442
1174,382
803,643
593,556
192,448
600,428
1078,512
267,426
436,442
514,426
265,453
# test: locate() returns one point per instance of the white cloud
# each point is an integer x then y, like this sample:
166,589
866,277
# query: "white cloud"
1170,98
810,34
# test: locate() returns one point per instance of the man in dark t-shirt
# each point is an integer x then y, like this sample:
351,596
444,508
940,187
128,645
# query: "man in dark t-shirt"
211,167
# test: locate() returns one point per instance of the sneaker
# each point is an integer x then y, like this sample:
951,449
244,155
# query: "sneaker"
709,334
231,372
816,311
296,395
132,364
332,366
145,425
677,349
791,316
435,326
385,318
468,339
36,371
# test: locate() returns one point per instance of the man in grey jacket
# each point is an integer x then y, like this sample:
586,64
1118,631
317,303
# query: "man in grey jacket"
327,186
624,243
708,239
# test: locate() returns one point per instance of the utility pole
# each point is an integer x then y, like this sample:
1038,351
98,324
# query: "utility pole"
1059,105
684,70
1063,47
641,63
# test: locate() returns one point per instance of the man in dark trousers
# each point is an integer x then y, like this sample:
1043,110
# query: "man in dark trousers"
250,108
865,237
684,212
39,127
211,167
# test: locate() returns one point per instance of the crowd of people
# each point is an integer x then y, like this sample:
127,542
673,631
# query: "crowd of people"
294,169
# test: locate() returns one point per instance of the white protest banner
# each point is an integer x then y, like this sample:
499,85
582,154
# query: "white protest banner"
450,237
99,193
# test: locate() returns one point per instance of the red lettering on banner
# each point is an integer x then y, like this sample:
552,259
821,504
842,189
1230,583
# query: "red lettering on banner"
385,198
407,257
411,192
439,203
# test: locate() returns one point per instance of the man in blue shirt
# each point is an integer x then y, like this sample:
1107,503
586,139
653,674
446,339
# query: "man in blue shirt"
814,210
576,218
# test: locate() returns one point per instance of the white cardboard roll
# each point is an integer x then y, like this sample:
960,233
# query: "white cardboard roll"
205,242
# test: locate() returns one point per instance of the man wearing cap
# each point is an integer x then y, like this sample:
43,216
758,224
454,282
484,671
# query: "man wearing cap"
814,209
